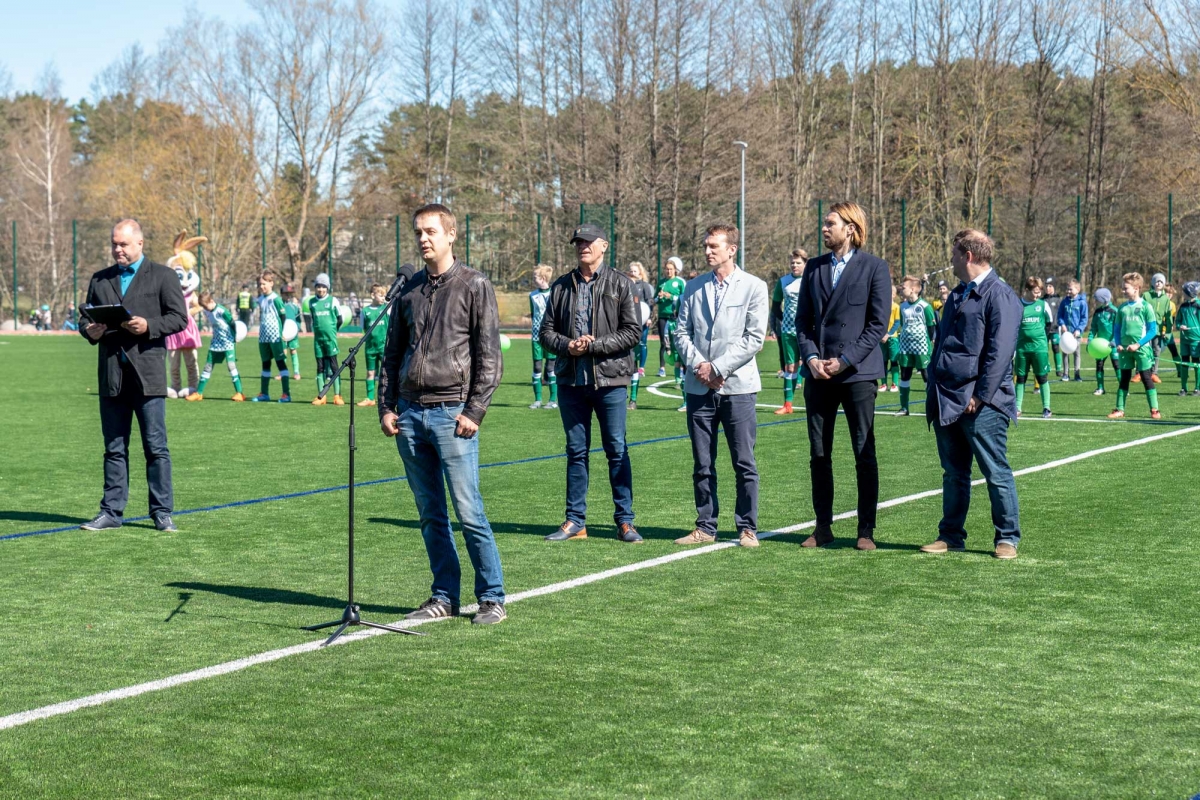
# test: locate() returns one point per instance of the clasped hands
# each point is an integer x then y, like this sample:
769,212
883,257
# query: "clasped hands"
824,369
579,347
707,375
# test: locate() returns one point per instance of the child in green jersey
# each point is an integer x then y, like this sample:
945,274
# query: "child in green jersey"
292,311
221,348
787,298
374,346
543,362
1104,319
1187,320
1033,343
270,340
326,322
918,326
1135,329
669,293
890,346
1159,299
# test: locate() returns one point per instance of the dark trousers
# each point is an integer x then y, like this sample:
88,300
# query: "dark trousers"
821,401
733,413
576,404
116,423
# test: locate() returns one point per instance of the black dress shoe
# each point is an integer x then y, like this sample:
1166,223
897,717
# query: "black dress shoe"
102,522
163,523
627,533
568,530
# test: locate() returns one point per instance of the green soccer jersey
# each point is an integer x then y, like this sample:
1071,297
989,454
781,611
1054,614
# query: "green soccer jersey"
538,300
915,321
325,322
292,311
669,305
1031,335
1187,319
787,294
1133,322
1103,320
1160,302
221,322
270,318
379,335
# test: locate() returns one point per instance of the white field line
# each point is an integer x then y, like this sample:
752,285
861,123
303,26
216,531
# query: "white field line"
653,389
57,709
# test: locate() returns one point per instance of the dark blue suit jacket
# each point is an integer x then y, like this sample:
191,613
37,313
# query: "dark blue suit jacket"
973,356
847,322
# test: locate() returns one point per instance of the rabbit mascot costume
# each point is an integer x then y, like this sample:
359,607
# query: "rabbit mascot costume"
183,345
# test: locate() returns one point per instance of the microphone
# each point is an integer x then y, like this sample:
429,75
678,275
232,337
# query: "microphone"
403,276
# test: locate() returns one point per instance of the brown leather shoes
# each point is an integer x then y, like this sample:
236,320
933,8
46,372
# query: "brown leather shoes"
939,547
568,530
748,538
1005,551
820,537
697,536
864,543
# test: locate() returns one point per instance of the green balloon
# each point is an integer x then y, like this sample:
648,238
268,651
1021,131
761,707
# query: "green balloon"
505,343
1099,348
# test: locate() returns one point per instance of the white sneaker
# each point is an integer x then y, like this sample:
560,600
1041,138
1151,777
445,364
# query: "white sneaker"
171,393
551,404
536,404
882,388
1098,392
682,407
894,389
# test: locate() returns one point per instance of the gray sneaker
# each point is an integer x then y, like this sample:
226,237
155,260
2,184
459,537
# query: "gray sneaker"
102,522
163,523
433,608
551,404
490,613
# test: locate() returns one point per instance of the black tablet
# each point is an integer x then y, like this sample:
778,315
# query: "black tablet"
108,315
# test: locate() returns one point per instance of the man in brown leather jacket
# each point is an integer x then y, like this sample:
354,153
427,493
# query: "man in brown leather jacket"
592,326
441,365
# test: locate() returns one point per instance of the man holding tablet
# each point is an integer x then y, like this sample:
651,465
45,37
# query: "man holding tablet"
133,373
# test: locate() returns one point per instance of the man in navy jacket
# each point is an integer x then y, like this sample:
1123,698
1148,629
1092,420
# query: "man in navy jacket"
970,397
842,315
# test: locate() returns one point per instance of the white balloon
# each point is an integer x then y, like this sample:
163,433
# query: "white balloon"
1068,343
643,311
290,330
239,330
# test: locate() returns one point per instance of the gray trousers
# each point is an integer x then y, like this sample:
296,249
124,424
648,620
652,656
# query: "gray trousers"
735,415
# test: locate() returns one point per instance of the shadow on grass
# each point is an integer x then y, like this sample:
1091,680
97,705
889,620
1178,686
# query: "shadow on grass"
41,516
604,530
842,542
261,594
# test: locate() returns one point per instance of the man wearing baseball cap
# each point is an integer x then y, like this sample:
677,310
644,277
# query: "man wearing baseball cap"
592,326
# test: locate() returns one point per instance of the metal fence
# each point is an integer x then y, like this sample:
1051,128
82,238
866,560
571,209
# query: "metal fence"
1058,237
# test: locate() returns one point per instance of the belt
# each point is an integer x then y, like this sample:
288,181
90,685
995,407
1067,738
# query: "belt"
446,404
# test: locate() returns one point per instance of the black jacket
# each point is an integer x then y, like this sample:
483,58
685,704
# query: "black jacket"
615,326
973,356
155,295
847,322
443,343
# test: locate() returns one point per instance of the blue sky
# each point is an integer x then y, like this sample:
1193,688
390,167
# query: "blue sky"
82,37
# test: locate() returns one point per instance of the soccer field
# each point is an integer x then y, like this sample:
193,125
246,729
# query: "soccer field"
1073,671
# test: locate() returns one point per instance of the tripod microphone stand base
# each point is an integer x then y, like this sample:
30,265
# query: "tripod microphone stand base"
352,617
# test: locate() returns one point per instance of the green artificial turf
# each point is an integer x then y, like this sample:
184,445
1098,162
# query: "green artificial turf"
1070,672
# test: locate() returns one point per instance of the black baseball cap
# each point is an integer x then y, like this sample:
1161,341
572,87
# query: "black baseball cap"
588,233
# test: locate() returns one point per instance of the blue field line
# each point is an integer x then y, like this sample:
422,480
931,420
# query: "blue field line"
292,495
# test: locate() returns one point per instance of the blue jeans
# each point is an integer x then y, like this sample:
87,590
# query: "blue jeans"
983,436
576,404
116,423
435,457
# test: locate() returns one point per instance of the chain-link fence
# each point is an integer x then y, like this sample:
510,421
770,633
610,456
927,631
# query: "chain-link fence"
1059,237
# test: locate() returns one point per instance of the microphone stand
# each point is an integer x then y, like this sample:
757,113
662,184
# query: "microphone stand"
352,615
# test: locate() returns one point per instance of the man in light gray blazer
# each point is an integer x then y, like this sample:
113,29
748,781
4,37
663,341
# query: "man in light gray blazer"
720,328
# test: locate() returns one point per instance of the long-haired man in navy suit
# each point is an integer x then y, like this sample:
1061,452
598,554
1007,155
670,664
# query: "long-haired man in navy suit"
842,316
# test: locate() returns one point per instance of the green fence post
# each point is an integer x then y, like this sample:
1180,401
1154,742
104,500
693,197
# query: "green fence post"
820,223
329,250
903,237
1079,236
658,240
16,319
539,244
1170,236
467,240
74,265
989,230
397,244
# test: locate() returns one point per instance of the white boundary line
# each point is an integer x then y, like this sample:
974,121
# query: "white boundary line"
57,709
653,389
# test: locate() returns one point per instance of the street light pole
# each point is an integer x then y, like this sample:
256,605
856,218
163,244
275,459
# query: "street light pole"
742,209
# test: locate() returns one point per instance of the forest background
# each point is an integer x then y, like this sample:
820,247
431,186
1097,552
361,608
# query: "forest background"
301,141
